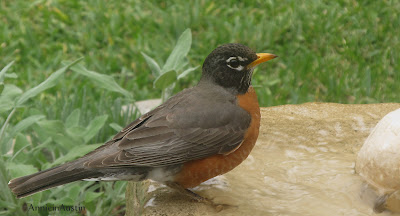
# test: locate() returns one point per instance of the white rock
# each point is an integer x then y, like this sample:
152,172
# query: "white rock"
143,106
378,161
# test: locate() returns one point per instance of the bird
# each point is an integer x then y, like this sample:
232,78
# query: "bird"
199,133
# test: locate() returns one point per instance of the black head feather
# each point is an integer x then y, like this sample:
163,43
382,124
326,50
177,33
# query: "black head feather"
227,66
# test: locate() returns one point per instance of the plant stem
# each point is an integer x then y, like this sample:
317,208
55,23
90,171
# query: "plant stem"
6,123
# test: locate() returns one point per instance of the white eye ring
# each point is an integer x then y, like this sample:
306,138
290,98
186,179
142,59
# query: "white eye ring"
239,68
239,58
242,59
230,59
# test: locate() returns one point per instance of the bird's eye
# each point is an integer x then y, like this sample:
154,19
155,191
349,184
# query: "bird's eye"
234,63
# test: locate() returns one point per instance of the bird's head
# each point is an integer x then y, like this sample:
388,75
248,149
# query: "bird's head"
231,66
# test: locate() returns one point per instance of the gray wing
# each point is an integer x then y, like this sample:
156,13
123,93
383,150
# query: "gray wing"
186,127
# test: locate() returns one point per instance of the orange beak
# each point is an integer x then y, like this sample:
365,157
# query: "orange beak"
261,57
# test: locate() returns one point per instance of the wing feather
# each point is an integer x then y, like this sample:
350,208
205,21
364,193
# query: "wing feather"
173,134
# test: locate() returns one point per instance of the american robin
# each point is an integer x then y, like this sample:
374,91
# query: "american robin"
199,133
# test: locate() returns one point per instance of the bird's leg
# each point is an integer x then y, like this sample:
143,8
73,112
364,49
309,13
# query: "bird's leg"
195,196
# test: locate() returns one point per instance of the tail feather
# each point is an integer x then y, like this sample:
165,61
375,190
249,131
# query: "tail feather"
43,180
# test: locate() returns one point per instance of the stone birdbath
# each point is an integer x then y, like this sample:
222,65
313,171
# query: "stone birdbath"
303,164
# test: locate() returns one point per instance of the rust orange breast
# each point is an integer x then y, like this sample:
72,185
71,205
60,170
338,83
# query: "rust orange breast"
195,172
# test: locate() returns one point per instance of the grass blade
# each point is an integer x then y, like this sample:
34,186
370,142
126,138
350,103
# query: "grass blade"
116,127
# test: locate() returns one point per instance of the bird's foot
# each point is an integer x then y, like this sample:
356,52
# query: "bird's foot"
218,207
380,203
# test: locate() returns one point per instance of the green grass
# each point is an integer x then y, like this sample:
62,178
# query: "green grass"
342,51
336,51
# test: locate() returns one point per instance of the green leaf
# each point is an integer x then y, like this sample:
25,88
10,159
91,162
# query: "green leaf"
73,153
100,80
26,123
165,80
6,197
179,52
7,97
73,119
56,130
18,170
21,142
52,126
181,64
94,126
41,134
10,91
90,196
116,127
155,69
76,131
43,144
65,201
90,207
48,83
67,142
6,105
3,72
186,72
36,198
11,75
74,191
